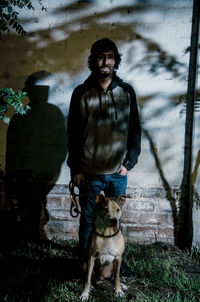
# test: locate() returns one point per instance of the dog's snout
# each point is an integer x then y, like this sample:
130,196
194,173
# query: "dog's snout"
113,222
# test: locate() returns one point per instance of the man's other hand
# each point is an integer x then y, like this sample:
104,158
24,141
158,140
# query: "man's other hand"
123,171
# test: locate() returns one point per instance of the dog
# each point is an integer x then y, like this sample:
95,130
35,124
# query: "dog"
106,244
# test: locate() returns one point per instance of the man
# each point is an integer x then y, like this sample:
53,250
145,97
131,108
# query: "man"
103,133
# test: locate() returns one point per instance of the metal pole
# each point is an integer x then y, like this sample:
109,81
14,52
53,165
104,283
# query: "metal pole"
186,227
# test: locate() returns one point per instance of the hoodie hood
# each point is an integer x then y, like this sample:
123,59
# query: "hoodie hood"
93,81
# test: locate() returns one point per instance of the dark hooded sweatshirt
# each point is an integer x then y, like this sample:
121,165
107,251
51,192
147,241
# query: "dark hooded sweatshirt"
103,128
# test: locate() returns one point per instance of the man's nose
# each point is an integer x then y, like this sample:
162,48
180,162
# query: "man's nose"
105,59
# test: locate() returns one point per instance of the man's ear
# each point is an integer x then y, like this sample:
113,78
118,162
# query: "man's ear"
99,198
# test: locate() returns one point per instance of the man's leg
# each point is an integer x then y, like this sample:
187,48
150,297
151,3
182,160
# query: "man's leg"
116,185
91,188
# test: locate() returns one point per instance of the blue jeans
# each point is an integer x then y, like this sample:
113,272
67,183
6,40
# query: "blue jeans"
112,185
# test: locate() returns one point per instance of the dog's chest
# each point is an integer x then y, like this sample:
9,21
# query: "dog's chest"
107,254
106,259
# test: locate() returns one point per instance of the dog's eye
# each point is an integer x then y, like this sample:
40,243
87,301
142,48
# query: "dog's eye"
118,210
103,211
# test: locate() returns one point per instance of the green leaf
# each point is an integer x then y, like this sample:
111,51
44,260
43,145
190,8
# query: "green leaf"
9,101
27,107
3,108
6,119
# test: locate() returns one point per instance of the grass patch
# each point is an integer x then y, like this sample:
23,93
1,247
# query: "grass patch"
31,272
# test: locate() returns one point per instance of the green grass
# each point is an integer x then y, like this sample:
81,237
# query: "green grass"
31,272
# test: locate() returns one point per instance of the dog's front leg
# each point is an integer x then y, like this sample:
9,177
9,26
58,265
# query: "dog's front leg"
87,287
118,290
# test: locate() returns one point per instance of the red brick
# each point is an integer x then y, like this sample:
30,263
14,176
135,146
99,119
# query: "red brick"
71,228
57,214
136,231
166,232
130,217
153,219
153,192
136,205
54,202
55,226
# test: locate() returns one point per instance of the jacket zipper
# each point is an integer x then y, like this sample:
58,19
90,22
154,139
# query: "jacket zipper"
106,96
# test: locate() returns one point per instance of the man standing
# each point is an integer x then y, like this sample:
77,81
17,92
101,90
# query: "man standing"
104,133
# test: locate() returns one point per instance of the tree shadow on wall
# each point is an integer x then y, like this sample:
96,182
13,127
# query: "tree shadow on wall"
36,149
175,196
95,26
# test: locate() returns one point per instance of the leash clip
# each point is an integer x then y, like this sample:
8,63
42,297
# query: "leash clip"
74,210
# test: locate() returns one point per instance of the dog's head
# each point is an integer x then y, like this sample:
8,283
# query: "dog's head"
109,210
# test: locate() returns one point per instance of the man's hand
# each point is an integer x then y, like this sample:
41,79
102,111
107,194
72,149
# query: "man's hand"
123,171
77,179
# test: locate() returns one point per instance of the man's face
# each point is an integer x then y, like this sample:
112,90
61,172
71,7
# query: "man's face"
106,63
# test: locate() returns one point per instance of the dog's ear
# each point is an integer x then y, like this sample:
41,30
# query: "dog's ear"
99,198
121,199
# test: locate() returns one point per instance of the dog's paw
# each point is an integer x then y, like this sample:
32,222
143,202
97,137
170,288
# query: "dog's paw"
119,293
124,287
84,296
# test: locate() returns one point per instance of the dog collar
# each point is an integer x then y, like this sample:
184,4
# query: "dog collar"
107,236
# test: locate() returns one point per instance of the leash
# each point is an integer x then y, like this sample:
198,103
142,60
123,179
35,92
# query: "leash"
74,209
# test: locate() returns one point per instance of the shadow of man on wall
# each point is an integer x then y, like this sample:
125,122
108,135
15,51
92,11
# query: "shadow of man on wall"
36,149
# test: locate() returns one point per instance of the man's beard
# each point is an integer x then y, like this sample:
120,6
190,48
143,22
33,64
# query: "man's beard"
103,74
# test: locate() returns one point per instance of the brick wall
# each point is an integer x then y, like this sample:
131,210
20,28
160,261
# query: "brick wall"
147,215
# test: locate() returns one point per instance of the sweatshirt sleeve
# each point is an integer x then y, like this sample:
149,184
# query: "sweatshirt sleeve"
74,132
134,134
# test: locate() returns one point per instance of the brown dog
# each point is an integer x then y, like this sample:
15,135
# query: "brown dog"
107,243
